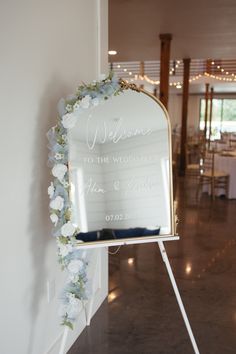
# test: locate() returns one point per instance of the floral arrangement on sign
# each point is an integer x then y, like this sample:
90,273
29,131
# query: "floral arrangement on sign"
70,257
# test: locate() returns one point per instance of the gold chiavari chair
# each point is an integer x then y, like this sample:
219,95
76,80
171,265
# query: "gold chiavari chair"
194,161
211,177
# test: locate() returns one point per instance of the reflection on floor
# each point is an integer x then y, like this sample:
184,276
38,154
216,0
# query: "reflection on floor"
142,316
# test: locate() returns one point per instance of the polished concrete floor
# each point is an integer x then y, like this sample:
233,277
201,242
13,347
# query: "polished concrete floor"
141,315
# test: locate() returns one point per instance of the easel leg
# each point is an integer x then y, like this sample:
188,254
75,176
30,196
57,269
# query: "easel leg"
177,294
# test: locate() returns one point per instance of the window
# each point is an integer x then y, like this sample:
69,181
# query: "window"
223,116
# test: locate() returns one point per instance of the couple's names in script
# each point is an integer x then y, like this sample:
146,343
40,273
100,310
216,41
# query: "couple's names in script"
131,185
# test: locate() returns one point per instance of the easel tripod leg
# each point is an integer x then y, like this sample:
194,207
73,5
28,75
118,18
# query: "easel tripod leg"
178,297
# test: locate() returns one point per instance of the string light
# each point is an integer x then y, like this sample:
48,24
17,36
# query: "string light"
188,269
150,81
222,69
216,77
178,84
194,78
112,52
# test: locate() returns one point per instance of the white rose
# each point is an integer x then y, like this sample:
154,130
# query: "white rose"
64,250
73,278
74,301
72,308
84,103
59,171
57,203
54,219
51,190
75,266
95,101
67,229
69,120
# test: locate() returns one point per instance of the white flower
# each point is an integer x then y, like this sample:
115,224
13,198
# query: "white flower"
64,137
64,250
67,229
57,203
54,219
75,266
72,308
73,278
58,156
69,120
95,101
59,171
72,299
51,190
69,107
65,184
84,103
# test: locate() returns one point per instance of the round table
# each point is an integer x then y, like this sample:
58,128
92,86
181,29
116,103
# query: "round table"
228,164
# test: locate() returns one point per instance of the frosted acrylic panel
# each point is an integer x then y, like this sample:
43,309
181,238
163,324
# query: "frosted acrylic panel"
119,167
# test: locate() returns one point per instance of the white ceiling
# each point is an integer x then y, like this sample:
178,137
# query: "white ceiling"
200,28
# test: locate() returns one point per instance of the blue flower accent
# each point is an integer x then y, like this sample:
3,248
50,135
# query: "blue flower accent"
77,288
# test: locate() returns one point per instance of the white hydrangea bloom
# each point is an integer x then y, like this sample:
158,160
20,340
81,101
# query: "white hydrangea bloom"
64,250
57,203
75,266
73,278
67,229
69,120
59,171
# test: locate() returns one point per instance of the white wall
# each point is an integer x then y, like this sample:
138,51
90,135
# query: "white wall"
47,49
175,111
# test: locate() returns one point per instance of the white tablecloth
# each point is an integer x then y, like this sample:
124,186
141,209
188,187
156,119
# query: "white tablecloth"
228,164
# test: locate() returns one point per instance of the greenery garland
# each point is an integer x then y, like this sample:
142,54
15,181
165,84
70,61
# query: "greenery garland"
71,258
